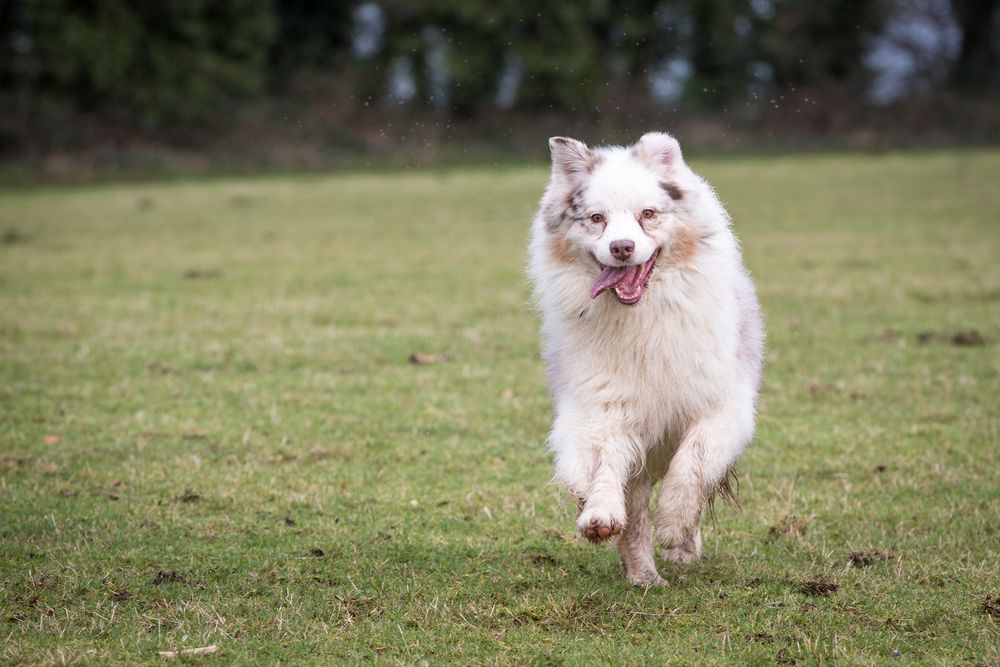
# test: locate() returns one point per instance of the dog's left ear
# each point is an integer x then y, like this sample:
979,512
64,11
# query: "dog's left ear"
658,149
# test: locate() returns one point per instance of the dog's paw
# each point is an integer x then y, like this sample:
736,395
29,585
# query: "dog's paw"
646,579
686,553
598,525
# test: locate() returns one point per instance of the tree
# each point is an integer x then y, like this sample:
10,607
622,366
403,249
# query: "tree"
978,66
159,62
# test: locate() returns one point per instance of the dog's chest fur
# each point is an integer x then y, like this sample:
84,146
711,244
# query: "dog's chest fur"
658,365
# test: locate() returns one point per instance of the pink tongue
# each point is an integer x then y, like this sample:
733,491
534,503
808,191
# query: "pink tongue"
612,276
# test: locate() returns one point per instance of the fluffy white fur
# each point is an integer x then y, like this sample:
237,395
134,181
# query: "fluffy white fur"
662,390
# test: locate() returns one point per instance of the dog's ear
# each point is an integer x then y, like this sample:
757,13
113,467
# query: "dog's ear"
570,157
658,149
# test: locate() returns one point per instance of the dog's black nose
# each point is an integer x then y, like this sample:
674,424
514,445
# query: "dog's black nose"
622,249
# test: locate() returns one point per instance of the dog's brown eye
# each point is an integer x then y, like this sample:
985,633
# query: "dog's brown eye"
648,213
598,218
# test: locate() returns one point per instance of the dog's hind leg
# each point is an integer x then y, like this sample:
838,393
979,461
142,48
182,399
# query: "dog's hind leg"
636,542
706,454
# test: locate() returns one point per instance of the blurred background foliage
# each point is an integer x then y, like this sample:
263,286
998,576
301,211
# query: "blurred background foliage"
300,82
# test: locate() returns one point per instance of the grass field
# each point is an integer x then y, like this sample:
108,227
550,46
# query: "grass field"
211,432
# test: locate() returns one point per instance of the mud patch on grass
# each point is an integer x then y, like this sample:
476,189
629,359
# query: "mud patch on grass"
44,580
819,587
542,558
886,336
11,461
991,605
168,577
789,526
964,338
13,237
188,496
202,274
161,369
424,358
866,558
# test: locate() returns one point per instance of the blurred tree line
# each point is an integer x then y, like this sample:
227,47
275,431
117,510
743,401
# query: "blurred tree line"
172,63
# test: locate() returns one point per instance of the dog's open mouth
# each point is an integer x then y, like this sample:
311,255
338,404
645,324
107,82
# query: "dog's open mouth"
629,282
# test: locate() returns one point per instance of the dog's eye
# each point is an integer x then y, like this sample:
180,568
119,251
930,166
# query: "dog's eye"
648,213
598,218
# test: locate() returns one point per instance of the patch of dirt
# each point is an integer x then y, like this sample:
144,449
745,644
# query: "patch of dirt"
162,369
881,467
317,552
866,558
11,461
201,274
289,521
968,338
886,336
13,236
241,201
807,607
760,638
789,526
121,595
991,605
44,580
168,577
819,588
784,657
964,338
540,557
188,496
422,358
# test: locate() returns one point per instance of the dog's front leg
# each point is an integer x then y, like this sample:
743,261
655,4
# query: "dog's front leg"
595,460
708,451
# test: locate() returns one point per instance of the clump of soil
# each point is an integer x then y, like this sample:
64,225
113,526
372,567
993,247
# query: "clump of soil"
789,526
866,558
820,587
424,358
991,605
169,577
188,496
965,338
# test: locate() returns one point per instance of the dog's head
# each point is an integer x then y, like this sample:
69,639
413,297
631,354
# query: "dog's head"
616,209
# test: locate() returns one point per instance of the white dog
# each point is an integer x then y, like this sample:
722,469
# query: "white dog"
653,341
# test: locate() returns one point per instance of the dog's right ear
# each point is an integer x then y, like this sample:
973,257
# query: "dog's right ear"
570,157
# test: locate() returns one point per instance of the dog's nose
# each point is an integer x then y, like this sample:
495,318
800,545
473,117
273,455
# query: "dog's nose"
622,249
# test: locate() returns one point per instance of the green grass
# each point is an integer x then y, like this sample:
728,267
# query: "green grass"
210,432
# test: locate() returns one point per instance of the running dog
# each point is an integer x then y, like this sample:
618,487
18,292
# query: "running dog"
653,342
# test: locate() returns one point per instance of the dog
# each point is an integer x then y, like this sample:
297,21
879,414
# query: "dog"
653,343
